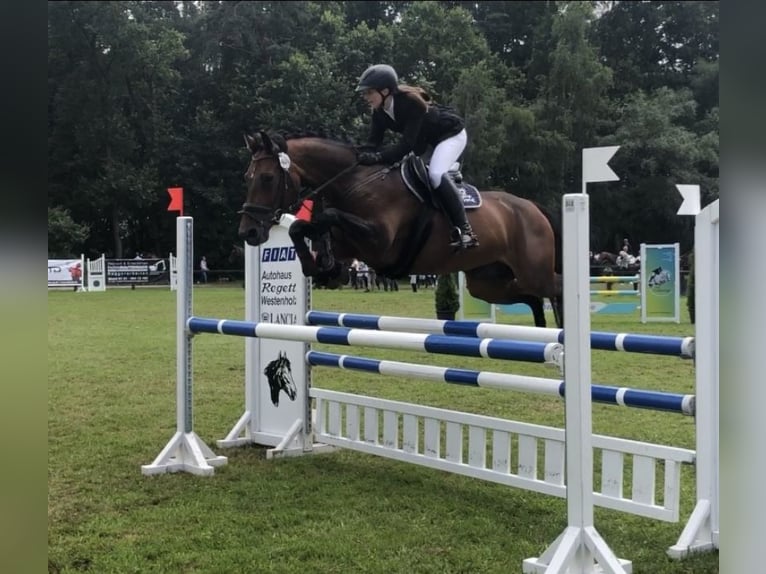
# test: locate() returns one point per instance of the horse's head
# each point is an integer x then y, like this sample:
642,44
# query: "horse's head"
272,186
280,377
274,178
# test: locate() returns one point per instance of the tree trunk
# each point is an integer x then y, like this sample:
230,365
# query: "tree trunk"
116,232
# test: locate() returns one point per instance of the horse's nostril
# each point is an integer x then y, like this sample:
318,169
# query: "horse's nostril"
248,234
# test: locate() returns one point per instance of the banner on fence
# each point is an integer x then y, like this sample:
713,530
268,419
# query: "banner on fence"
137,271
65,272
660,283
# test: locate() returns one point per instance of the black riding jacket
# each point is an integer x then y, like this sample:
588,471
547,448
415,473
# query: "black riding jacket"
420,128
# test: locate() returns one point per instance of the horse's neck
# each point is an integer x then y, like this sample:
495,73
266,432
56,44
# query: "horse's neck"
320,162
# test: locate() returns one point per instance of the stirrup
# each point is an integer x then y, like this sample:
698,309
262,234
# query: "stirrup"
463,239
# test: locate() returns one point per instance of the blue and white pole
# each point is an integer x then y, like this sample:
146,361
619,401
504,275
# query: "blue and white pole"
530,351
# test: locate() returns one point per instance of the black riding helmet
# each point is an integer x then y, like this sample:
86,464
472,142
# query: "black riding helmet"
378,77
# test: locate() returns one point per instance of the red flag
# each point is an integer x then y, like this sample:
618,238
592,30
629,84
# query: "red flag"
176,199
304,212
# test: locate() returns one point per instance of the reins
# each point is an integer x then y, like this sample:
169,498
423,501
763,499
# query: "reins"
301,197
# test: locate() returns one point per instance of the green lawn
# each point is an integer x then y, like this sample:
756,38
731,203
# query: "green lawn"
111,408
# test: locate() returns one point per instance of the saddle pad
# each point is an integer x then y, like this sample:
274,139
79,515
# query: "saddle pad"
470,195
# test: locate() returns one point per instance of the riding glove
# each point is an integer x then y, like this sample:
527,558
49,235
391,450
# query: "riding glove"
370,158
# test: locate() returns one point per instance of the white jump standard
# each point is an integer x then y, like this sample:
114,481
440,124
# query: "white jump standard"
459,442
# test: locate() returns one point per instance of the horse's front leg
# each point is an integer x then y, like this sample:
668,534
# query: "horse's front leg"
350,225
300,231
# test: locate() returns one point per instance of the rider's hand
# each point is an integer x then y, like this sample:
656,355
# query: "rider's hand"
370,158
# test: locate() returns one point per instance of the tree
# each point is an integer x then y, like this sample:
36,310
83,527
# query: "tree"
148,95
65,236
572,102
489,117
111,81
655,44
659,149
446,297
433,44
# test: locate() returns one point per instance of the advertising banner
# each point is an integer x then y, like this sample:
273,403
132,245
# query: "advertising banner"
660,283
65,272
282,298
136,271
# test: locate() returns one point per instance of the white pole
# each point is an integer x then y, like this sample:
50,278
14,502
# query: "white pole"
702,530
184,305
579,549
185,452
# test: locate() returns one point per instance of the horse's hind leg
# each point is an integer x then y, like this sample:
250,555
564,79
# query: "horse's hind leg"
496,284
557,303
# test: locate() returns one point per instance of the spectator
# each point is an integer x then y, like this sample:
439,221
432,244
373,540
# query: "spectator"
362,276
353,272
203,270
414,283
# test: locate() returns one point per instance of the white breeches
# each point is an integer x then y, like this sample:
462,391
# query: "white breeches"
444,155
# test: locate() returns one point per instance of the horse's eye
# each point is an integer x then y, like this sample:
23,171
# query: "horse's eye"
267,178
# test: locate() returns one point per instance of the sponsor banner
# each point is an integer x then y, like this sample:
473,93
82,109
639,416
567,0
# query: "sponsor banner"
64,272
282,297
136,271
660,283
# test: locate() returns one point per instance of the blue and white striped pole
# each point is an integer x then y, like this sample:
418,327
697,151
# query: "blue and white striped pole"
631,343
622,396
529,351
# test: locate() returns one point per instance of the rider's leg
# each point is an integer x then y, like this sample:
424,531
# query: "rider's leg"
444,155
453,207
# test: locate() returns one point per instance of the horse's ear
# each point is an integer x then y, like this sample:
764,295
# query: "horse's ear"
268,145
250,142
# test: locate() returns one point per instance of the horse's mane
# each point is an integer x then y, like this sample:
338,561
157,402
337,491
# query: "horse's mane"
276,366
282,137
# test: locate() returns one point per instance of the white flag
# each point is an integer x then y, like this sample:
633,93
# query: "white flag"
595,164
691,203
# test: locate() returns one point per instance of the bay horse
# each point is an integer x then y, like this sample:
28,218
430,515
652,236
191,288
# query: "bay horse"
368,213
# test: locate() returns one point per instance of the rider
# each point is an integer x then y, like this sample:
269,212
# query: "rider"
409,110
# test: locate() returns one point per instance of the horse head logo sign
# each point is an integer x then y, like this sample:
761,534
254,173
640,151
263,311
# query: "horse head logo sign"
280,376
659,277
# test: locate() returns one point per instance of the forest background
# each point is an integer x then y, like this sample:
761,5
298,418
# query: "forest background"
144,96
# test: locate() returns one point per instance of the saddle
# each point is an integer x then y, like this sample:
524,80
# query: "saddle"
415,176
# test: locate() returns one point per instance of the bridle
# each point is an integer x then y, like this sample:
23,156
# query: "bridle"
266,214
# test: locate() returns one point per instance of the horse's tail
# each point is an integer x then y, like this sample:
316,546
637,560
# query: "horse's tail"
558,262
555,222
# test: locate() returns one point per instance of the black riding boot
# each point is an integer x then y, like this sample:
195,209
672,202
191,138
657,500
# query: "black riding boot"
463,236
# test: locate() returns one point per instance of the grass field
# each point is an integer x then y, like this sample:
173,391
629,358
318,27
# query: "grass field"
111,408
